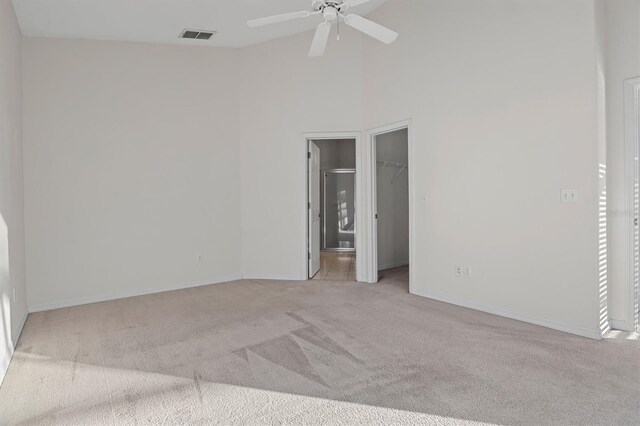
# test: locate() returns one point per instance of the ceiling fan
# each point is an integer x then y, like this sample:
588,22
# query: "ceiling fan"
331,11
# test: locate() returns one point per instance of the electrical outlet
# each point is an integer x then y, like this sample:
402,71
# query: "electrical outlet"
458,270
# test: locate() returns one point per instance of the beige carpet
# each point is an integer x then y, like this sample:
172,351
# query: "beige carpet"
319,352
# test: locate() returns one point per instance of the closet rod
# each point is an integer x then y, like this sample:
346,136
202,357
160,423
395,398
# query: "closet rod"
392,164
398,173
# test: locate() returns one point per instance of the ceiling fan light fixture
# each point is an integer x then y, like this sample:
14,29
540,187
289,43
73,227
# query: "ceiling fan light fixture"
330,13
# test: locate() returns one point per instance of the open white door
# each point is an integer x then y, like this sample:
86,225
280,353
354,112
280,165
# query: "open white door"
314,209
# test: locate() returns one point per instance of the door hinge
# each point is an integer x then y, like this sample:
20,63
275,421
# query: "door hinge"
308,155
309,206
309,255
376,216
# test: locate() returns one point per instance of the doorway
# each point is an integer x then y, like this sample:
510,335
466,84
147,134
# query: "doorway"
390,203
332,200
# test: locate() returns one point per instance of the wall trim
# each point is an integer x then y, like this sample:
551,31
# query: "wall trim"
126,294
393,265
591,333
23,321
632,142
4,363
273,277
123,295
618,324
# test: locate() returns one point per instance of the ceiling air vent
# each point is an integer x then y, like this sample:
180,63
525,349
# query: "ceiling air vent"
197,34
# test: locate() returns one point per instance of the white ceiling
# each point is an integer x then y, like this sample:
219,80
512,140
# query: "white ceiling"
161,21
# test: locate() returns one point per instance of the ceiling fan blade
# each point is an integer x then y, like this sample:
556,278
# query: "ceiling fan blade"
370,28
278,18
354,3
320,39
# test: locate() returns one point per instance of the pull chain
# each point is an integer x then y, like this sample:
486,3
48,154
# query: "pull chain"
338,27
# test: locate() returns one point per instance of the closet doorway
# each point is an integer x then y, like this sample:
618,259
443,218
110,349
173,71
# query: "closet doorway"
391,216
332,209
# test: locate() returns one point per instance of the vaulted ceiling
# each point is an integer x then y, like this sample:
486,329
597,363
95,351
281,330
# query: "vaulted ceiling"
162,21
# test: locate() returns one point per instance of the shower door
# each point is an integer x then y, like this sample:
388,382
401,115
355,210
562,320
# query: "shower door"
339,209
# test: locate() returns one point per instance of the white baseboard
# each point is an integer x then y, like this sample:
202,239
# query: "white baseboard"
4,363
393,265
272,277
125,294
22,323
555,325
620,325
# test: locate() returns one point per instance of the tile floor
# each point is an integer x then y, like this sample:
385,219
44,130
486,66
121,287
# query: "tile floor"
337,266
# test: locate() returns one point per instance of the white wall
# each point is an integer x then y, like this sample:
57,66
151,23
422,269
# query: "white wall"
131,168
502,97
392,192
622,62
13,312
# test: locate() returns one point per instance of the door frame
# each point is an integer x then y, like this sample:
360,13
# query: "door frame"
632,150
359,201
371,222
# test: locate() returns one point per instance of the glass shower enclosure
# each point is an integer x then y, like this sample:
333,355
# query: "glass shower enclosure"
338,199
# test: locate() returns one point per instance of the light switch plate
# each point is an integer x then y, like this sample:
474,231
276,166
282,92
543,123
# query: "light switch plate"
569,196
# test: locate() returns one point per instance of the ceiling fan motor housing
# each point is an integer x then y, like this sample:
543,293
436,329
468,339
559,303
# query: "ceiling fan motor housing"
329,8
